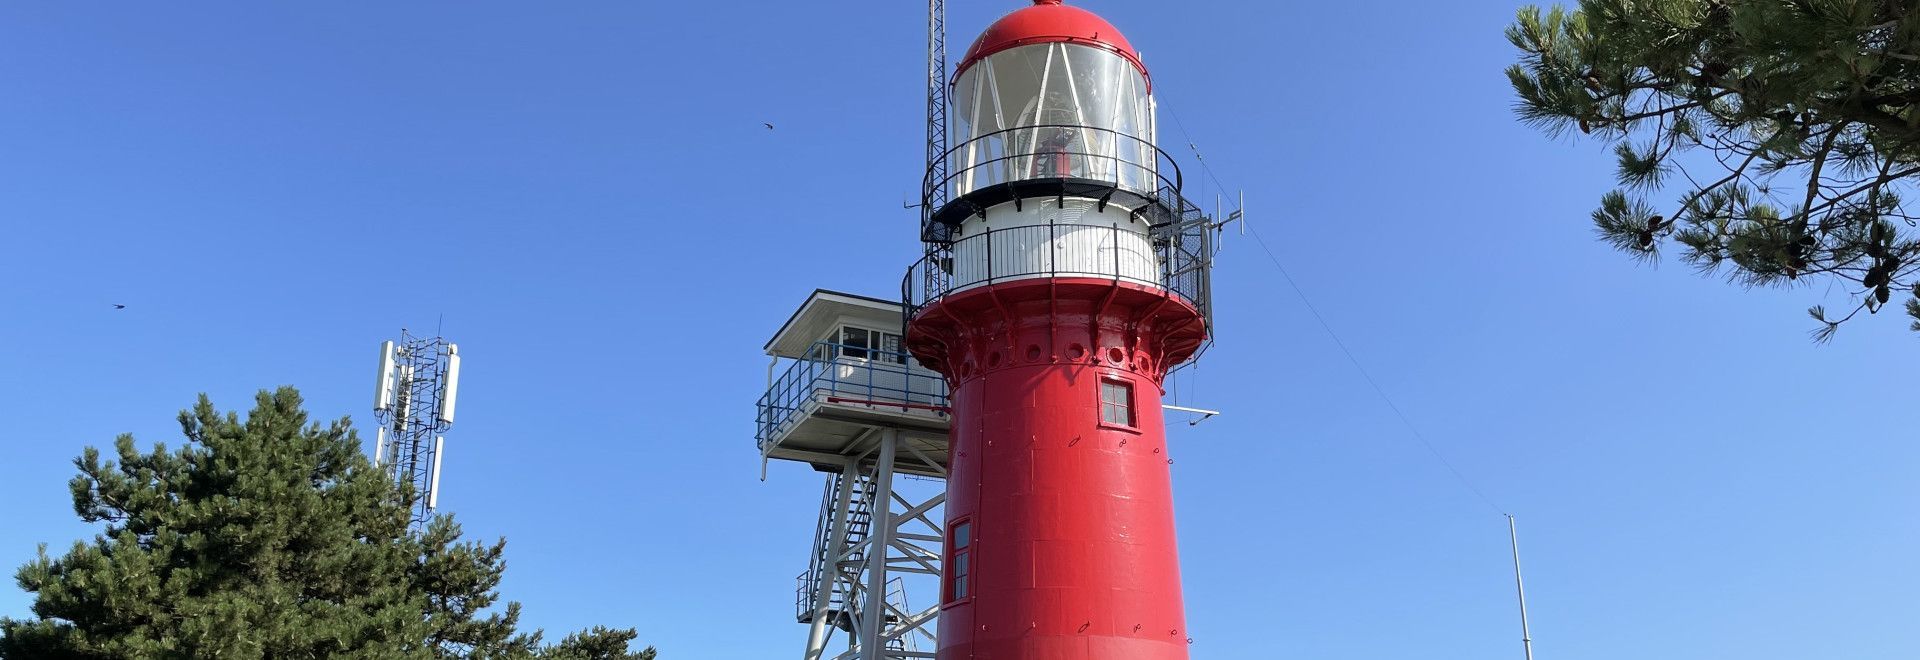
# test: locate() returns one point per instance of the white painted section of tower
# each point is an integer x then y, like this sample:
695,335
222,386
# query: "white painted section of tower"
1044,239
383,394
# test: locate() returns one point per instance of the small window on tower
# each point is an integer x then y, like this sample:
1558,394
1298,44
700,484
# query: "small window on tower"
1116,403
960,564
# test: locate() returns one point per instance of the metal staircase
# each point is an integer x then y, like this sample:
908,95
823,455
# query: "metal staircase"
873,539
897,606
841,553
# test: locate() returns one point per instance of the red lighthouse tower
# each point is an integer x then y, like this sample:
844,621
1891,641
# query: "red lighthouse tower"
1063,280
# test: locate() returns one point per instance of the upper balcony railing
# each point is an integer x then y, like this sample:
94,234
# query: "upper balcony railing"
1175,253
1176,257
856,374
1084,155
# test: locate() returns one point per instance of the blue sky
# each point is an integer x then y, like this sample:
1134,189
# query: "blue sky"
585,194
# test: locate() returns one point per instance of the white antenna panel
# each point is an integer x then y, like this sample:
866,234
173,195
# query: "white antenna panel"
453,385
379,446
433,487
383,397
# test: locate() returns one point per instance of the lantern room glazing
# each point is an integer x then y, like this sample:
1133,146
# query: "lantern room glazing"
1056,110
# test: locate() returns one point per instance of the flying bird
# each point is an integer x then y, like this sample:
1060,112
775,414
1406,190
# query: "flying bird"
119,306
768,125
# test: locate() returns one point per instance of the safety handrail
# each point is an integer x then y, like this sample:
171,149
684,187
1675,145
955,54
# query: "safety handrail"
881,376
1181,258
1162,160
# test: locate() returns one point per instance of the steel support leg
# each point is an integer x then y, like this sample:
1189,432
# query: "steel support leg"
873,615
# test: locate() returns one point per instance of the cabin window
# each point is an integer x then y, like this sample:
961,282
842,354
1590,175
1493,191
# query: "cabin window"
960,563
871,345
1116,403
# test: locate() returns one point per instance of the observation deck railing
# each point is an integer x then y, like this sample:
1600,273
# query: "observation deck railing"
857,374
1085,155
1055,151
1182,255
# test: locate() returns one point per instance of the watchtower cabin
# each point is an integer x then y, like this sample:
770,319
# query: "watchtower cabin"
845,397
839,378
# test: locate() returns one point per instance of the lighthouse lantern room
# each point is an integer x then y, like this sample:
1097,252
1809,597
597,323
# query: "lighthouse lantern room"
1076,108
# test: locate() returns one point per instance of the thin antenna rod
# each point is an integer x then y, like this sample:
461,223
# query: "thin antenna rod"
1526,637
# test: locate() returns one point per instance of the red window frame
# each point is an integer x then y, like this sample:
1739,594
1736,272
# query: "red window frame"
957,587
1131,404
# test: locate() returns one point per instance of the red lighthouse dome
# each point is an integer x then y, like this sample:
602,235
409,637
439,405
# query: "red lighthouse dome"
1049,21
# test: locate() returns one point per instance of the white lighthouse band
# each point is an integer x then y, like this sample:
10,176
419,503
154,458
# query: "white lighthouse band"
1069,237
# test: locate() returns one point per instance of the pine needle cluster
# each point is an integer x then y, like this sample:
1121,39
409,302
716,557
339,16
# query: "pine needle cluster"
1788,128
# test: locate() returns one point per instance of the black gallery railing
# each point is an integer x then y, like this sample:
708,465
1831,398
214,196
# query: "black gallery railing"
1175,256
1052,151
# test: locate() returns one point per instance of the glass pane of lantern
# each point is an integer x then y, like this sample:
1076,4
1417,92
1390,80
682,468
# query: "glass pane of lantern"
1053,110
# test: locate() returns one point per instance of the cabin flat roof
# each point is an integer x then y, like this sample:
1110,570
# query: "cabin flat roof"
826,302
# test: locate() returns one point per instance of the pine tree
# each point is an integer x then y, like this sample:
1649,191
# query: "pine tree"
597,644
268,538
1794,127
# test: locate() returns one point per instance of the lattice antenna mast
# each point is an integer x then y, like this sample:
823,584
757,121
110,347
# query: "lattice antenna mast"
933,189
419,381
936,197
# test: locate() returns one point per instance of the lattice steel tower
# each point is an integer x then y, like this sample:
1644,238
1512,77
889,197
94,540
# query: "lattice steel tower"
419,380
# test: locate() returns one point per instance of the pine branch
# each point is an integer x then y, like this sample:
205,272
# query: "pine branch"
1785,96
